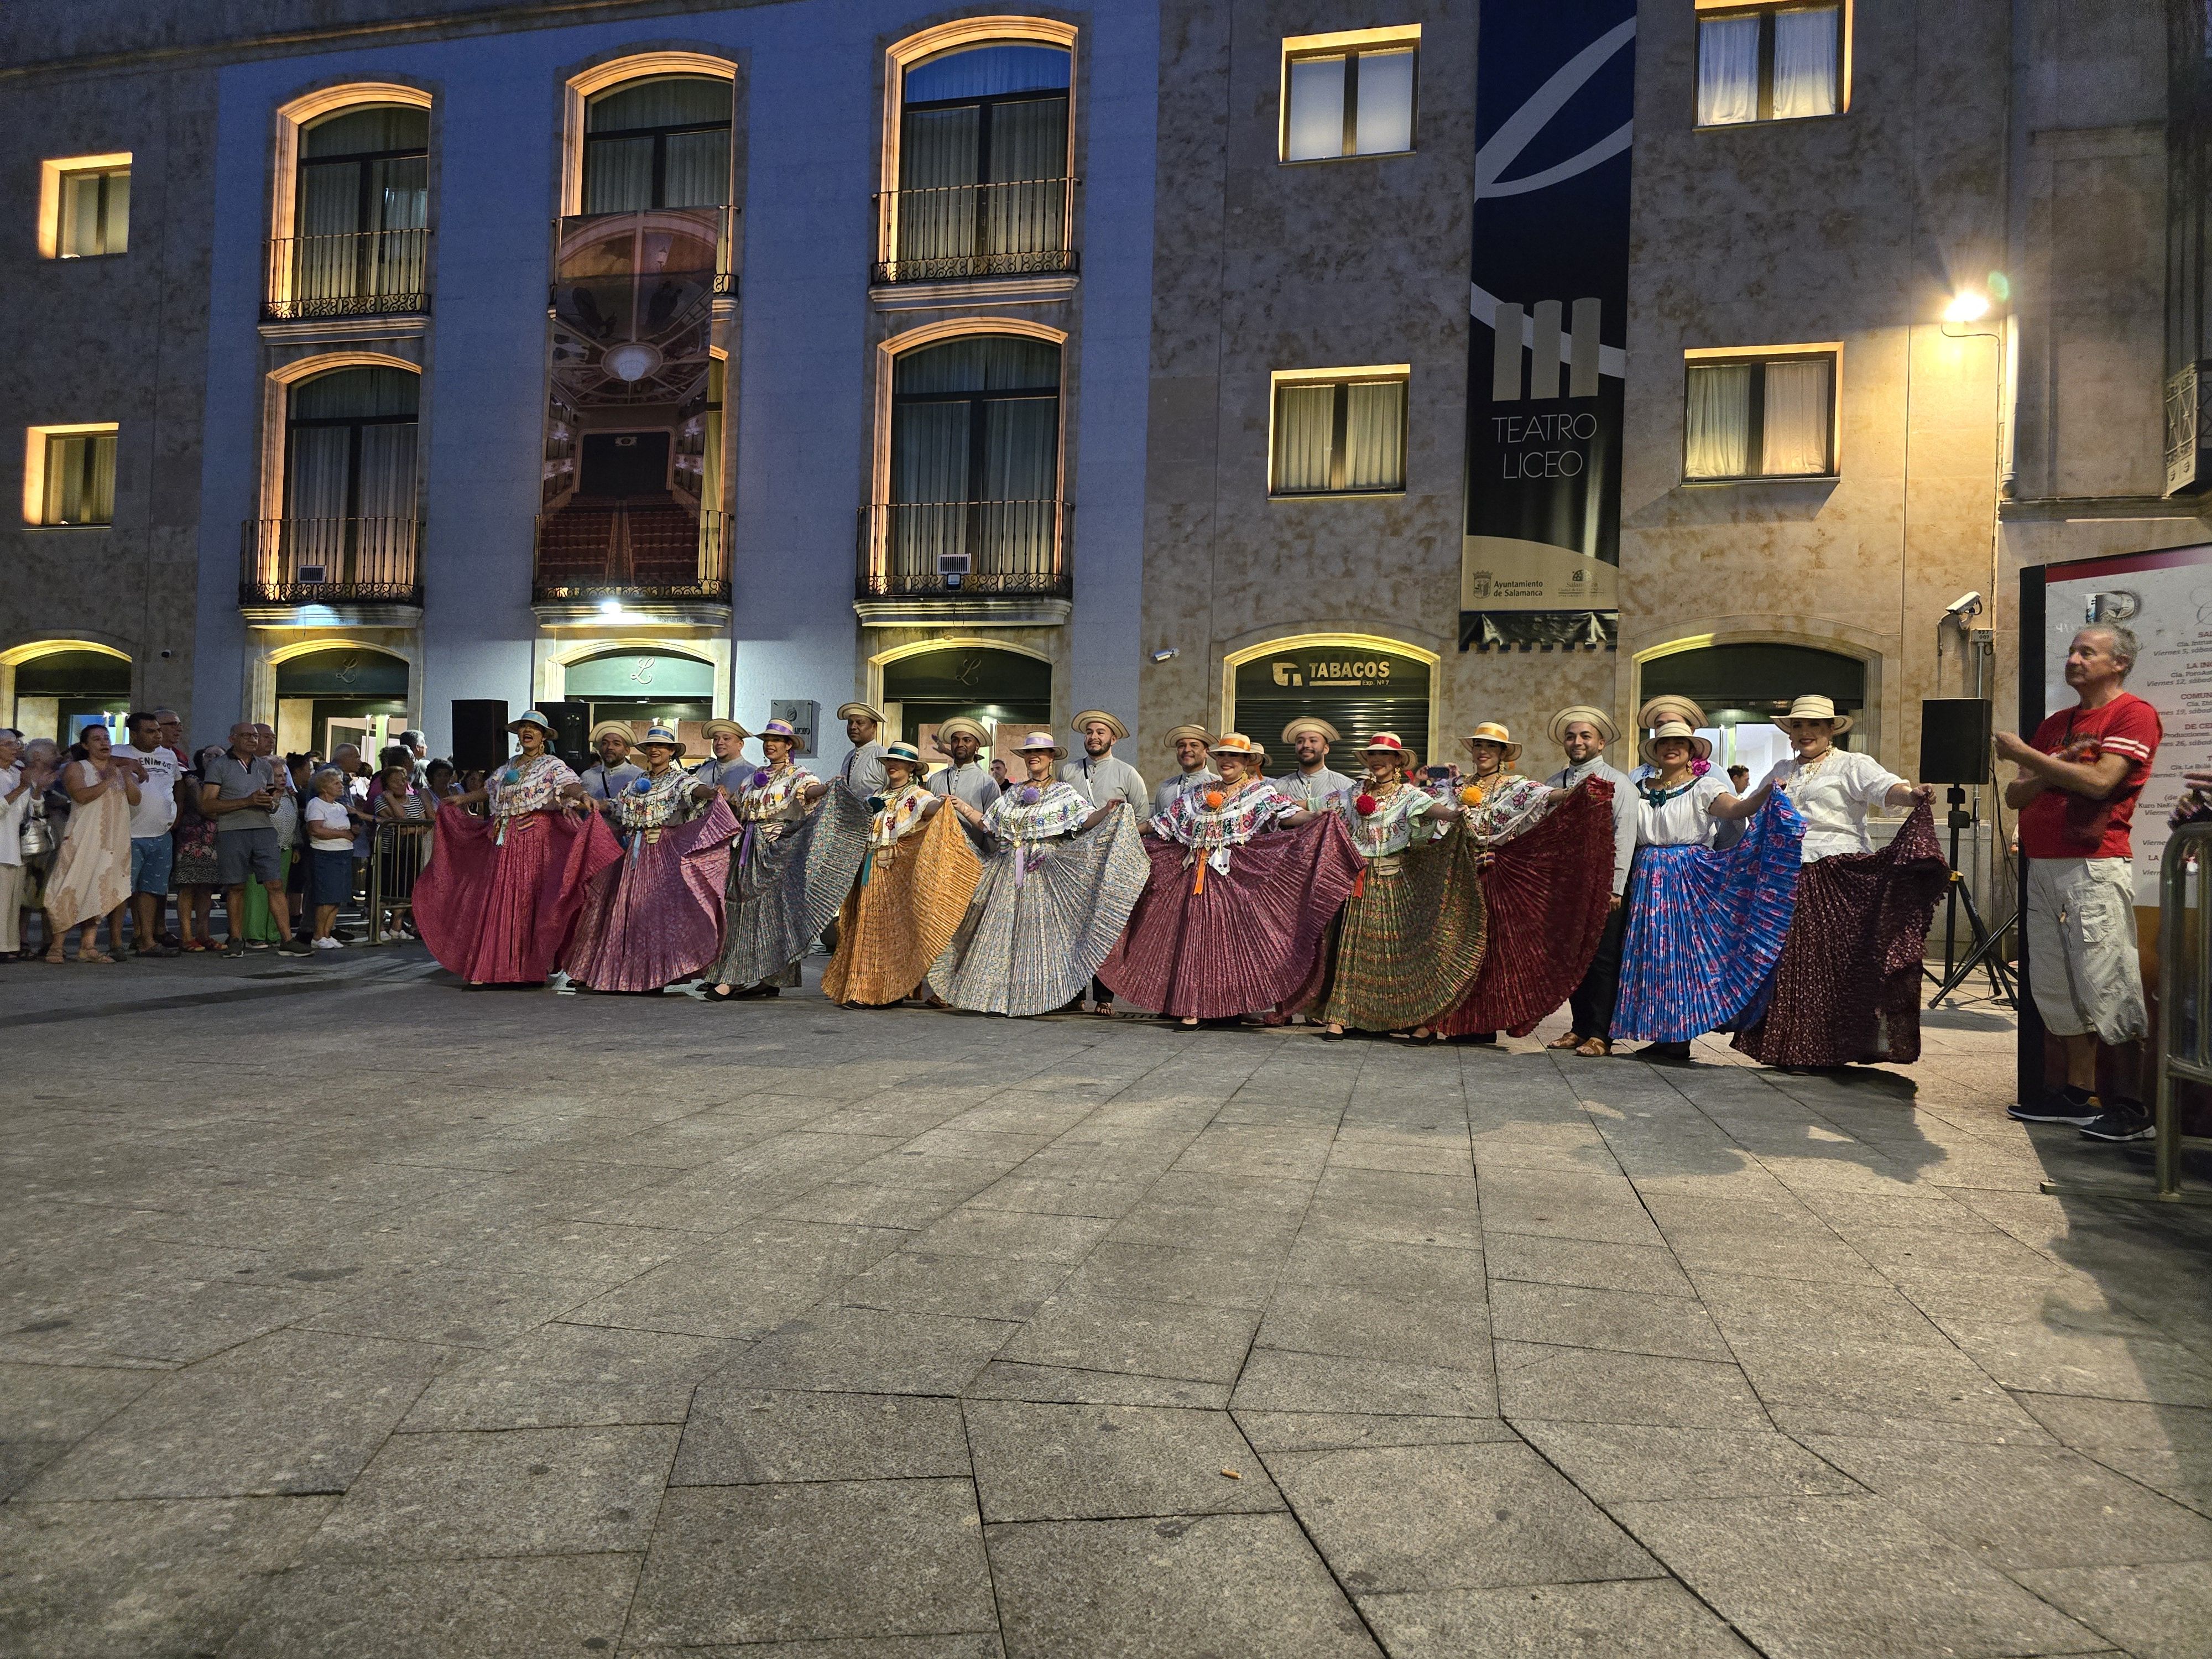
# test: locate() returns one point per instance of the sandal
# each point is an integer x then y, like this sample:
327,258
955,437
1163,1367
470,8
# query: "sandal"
1593,1048
1571,1040
54,955
96,955
194,946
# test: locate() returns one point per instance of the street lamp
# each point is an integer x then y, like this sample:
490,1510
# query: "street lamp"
1967,306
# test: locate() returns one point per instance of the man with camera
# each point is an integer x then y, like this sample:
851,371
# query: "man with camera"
2080,777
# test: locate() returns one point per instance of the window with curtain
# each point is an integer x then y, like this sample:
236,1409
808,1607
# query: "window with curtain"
1759,418
79,478
662,142
361,211
1348,103
975,459
95,213
983,161
1774,63
1339,437
349,446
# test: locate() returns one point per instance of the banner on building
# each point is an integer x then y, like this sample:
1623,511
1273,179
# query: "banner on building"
1554,96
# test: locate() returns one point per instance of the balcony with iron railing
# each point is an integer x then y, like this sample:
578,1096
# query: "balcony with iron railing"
365,273
952,233
330,562
925,560
650,551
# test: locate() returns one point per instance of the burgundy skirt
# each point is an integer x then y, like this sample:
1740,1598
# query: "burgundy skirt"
498,912
1246,938
655,916
1847,987
1548,892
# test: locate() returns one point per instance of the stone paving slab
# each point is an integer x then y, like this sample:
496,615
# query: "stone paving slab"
1068,1337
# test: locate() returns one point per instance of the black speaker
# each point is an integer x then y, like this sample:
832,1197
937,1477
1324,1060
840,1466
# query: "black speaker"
479,732
572,729
1954,740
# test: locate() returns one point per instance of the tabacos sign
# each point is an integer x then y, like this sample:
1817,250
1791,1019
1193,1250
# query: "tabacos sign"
1330,673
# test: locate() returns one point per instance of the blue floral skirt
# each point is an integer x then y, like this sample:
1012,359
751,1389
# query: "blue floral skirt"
1705,928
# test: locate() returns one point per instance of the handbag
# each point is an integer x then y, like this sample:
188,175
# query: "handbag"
36,838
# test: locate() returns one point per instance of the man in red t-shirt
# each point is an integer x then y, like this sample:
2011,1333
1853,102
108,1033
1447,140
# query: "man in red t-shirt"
2079,781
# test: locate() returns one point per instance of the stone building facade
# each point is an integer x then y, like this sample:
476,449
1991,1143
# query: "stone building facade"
1181,288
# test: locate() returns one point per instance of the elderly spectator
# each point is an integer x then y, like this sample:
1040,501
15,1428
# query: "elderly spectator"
2079,778
417,746
151,818
91,876
170,734
261,925
239,790
397,799
437,780
21,785
330,819
193,869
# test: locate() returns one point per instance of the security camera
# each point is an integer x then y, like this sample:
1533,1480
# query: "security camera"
1966,605
1165,653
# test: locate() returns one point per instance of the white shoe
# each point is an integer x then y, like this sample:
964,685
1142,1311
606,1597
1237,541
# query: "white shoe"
328,943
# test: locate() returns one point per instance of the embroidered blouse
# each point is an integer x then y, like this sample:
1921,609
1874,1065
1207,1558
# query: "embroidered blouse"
1059,809
1395,824
523,787
1254,807
1510,805
1682,817
651,803
899,815
1832,796
775,799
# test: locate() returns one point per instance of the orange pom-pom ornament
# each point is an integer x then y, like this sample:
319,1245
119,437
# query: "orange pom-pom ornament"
1213,799
1471,795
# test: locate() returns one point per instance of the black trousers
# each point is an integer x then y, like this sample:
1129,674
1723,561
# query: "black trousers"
1591,1004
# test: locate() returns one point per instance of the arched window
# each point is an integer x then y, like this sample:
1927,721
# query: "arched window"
660,142
975,461
349,439
361,212
982,186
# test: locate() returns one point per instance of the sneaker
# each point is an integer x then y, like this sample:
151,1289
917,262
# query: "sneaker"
2070,1104
327,943
2122,1121
235,948
291,947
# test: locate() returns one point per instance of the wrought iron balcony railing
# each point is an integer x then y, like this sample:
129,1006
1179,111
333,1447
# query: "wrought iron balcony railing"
597,550
331,562
363,273
977,549
949,232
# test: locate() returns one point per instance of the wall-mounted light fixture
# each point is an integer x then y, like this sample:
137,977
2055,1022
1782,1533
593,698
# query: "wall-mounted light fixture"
1164,653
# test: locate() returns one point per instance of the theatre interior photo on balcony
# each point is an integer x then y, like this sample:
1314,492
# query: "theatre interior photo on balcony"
982,186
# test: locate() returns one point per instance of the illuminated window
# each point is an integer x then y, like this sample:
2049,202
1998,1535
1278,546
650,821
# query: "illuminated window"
660,143
1339,432
1770,63
1766,415
1349,95
85,207
69,475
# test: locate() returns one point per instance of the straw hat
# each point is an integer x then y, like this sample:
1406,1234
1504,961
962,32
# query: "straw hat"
1088,716
1384,743
960,723
1701,748
1814,708
619,728
903,751
865,711
718,728
1491,732
1608,733
1669,706
1038,742
659,737
1236,743
1308,723
537,717
781,729
1177,733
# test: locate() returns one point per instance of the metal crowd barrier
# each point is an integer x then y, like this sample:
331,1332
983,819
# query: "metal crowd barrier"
2184,989
397,854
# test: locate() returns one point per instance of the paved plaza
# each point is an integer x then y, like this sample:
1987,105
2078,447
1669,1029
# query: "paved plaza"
351,1313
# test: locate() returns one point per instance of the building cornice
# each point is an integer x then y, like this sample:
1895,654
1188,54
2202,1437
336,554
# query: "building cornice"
2058,509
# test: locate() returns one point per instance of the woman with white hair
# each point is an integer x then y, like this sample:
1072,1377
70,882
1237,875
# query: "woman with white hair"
1847,987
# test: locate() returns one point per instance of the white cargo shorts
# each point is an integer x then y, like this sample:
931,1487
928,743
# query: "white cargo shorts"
2081,960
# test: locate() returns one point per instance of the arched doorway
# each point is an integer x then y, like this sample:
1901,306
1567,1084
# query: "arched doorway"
1358,683
340,694
924,690
57,690
1742,687
641,686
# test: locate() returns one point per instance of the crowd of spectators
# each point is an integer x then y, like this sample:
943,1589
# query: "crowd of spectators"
106,836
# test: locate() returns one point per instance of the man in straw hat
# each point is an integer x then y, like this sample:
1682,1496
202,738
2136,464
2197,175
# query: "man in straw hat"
728,769
1584,733
1705,924
864,767
1098,775
1313,783
967,777
1191,743
614,771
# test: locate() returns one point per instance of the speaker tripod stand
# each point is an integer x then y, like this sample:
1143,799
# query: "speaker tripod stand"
1984,956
